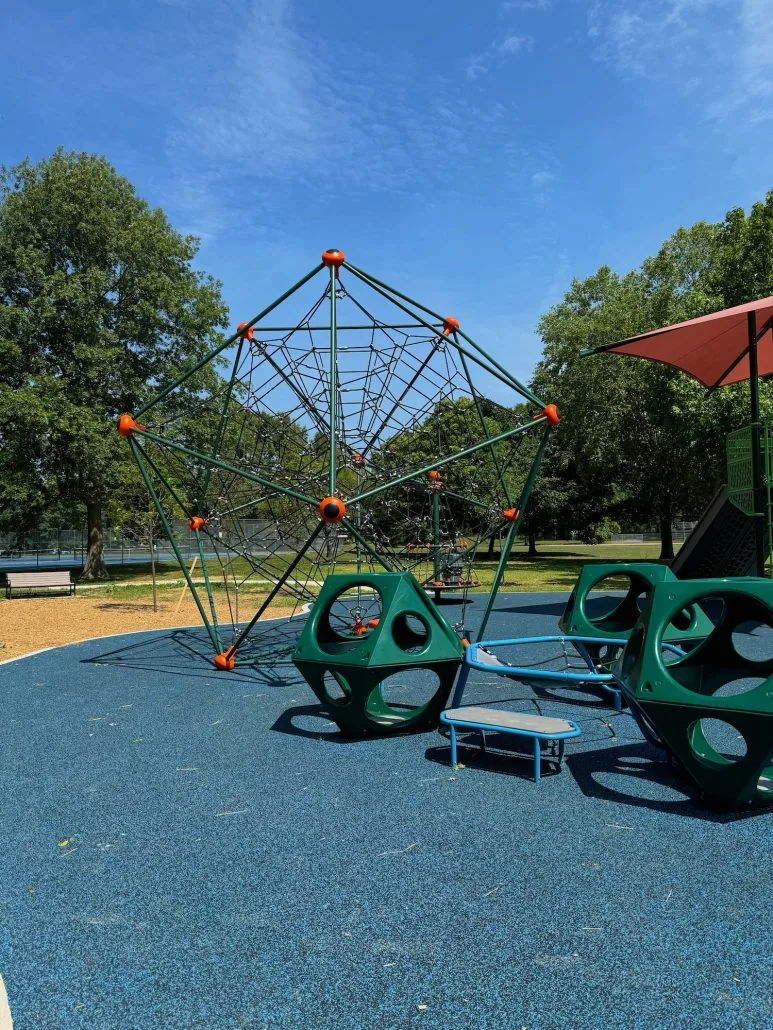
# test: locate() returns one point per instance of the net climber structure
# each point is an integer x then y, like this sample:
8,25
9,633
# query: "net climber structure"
351,434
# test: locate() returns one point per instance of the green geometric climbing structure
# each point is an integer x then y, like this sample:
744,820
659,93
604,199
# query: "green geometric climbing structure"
687,627
365,628
713,706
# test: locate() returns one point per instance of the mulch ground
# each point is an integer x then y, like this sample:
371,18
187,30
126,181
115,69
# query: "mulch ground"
31,623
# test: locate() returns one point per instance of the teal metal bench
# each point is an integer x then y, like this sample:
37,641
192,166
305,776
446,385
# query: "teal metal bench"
538,728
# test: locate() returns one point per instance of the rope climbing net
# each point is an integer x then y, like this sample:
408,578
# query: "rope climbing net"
350,435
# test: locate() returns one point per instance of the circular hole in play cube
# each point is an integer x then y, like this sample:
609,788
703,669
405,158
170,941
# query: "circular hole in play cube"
714,740
350,617
753,640
410,632
605,599
401,695
337,690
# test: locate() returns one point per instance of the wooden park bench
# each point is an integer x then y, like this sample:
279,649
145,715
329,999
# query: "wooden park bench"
34,581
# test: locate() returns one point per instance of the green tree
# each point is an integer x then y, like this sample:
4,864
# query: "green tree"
99,303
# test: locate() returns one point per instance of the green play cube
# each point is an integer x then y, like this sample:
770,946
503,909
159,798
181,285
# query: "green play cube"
723,685
688,625
364,629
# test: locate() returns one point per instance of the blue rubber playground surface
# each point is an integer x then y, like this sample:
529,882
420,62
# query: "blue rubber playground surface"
186,848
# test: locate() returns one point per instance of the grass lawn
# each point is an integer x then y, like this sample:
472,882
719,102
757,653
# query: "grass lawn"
555,568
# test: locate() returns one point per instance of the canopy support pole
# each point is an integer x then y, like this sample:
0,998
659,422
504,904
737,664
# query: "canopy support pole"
760,506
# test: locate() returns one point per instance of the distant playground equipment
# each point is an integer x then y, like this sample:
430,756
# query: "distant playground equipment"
712,706
354,427
366,629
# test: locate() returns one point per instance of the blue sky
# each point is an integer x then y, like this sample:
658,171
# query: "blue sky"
475,155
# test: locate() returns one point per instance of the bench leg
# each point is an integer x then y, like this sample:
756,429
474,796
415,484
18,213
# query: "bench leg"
560,752
536,759
453,745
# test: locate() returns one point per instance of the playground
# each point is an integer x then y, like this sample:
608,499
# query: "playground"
190,848
364,772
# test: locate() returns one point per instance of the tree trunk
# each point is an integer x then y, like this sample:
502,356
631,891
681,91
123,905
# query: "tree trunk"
666,539
532,552
492,542
94,567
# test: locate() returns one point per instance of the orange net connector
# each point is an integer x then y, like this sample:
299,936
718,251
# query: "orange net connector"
373,623
127,425
450,325
359,628
333,258
331,509
551,414
225,661
434,476
248,334
358,461
510,514
196,522
465,642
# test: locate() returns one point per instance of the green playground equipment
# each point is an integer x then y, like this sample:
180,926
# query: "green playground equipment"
364,629
687,627
713,705
312,457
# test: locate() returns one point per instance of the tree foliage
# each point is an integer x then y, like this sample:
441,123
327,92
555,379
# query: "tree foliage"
99,303
643,440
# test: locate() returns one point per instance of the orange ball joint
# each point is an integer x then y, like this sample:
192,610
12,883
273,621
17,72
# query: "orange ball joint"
331,509
127,425
225,660
551,414
450,325
510,514
333,258
196,523
358,461
434,476
248,334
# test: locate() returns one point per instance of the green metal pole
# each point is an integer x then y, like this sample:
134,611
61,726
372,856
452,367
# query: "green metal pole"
757,477
451,457
223,346
333,382
326,328
436,535
351,528
482,420
381,286
507,547
222,422
136,449
503,376
279,584
208,588
225,467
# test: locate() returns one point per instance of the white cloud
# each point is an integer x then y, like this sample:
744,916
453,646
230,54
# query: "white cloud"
275,106
717,50
525,5
498,52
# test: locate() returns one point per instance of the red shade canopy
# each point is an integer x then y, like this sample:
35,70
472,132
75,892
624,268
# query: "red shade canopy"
712,349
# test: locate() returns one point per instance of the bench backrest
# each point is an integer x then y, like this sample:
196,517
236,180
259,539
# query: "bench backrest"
38,579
